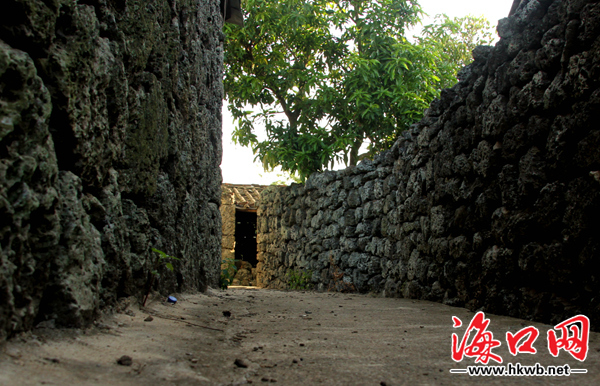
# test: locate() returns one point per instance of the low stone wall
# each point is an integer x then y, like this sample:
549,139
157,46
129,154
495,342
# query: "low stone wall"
492,201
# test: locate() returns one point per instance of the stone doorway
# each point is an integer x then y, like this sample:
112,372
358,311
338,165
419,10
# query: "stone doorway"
239,204
245,247
245,236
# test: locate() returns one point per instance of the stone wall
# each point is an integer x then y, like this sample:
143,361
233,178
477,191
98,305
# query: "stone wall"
491,202
228,224
110,144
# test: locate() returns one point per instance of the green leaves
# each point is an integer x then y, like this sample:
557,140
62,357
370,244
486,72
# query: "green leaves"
299,280
451,41
228,270
154,275
322,77
161,257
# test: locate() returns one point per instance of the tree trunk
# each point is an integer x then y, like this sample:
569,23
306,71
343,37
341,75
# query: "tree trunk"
354,151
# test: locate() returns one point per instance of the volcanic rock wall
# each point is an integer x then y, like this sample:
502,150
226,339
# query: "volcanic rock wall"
492,201
110,144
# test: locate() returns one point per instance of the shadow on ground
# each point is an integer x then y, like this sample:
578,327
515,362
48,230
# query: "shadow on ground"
246,335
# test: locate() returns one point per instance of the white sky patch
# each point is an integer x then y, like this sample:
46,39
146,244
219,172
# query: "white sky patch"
239,167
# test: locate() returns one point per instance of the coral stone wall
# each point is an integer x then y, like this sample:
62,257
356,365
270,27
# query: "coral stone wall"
228,224
110,144
492,201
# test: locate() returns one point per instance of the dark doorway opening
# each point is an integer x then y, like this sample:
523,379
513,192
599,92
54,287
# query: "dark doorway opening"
245,236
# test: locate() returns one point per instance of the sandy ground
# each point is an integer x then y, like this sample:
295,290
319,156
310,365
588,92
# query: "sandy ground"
288,338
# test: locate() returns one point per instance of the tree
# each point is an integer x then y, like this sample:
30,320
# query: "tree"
452,40
323,77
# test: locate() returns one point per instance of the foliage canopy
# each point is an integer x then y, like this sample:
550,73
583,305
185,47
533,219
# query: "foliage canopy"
324,77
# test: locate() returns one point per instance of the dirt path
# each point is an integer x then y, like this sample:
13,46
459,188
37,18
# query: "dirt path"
288,338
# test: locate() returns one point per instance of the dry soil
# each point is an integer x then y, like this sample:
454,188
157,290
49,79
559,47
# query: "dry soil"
247,335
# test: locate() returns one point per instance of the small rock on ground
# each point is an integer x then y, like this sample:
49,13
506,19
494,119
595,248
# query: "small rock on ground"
125,360
241,363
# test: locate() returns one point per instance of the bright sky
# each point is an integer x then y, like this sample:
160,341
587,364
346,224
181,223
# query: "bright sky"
238,166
